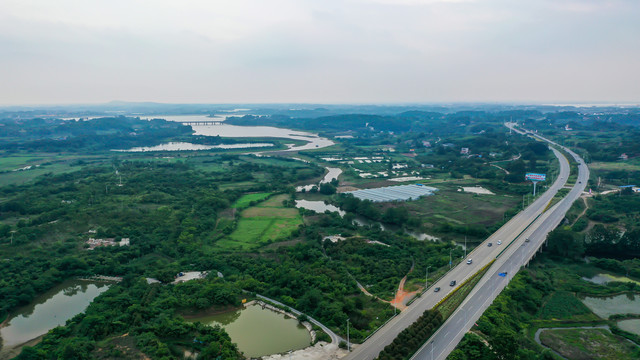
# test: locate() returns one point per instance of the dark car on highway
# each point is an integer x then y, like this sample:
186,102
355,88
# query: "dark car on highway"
436,289
452,283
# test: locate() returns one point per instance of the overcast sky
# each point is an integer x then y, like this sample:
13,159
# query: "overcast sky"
319,51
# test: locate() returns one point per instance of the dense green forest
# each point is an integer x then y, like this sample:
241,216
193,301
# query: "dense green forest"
54,135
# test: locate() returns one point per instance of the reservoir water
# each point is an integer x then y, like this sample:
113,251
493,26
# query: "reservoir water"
47,311
260,332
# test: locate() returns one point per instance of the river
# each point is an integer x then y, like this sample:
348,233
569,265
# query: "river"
332,173
47,311
184,146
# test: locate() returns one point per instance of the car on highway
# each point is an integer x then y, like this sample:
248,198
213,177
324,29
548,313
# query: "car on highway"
469,261
452,283
490,244
436,289
527,240
499,242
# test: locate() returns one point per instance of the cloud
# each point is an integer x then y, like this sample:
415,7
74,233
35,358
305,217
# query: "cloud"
305,50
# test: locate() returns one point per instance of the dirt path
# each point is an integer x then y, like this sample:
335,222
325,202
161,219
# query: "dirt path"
501,168
402,296
537,335
364,290
586,207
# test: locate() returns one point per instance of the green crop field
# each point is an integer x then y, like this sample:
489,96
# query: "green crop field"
262,224
245,200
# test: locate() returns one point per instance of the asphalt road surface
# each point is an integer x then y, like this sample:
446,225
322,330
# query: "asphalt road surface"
512,235
449,335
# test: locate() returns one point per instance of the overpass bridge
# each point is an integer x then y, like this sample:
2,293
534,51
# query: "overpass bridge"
202,122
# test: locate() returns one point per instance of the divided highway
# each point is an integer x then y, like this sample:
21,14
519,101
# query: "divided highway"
532,223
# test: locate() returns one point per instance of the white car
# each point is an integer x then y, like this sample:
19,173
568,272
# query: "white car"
499,242
469,261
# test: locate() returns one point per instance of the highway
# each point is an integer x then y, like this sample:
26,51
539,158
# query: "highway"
512,235
451,332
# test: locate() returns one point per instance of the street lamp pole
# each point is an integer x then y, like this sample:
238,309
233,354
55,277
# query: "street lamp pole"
431,349
426,280
450,258
465,246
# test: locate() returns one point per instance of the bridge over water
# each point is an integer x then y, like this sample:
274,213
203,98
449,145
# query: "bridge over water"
202,122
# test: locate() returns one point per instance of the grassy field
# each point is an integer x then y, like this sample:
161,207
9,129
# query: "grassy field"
451,205
245,200
589,344
630,165
564,305
262,224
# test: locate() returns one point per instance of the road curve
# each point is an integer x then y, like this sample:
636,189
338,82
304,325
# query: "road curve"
512,234
335,338
440,345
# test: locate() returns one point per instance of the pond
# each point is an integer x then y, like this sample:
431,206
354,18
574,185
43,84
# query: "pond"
607,306
260,332
603,278
47,311
631,325
318,206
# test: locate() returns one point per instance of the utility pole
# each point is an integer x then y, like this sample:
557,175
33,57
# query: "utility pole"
450,258
12,232
465,246
348,343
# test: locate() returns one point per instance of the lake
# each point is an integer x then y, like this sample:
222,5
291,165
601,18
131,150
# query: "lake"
224,130
260,332
49,310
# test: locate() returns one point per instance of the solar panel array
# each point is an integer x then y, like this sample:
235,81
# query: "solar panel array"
394,193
